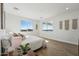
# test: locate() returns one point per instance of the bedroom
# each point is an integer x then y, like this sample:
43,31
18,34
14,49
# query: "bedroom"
45,19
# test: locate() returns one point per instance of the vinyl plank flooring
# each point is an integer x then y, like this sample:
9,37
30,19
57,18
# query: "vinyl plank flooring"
56,48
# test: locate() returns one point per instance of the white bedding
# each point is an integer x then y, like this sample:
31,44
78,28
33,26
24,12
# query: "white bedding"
34,41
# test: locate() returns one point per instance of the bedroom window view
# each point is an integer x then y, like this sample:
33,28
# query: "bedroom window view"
26,25
47,27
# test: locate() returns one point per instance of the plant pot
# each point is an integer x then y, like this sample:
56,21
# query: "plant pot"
26,52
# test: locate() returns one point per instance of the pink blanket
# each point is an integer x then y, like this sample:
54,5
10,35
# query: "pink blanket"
16,41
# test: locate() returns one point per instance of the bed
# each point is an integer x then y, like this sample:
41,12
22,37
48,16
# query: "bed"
14,42
34,41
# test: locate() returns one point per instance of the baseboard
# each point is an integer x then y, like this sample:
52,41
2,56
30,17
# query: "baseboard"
59,41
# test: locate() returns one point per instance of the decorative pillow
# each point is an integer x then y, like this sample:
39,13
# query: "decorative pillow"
16,41
23,37
15,34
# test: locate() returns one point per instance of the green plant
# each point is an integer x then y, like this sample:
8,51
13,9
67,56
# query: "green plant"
25,48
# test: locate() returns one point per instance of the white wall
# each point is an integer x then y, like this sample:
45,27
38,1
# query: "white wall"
69,36
13,23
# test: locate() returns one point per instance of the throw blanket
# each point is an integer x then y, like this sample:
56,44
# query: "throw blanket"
16,41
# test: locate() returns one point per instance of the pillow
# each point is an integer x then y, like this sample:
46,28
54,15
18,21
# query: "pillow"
23,37
16,41
15,34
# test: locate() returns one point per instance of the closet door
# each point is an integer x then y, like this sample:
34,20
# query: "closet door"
1,22
0,27
0,15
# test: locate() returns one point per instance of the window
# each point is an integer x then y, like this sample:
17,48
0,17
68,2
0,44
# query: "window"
26,25
47,27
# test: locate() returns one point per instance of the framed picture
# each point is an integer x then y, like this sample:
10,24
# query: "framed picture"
74,24
66,24
61,25
36,26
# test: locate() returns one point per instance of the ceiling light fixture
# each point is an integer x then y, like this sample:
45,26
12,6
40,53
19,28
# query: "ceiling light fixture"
67,8
41,17
15,8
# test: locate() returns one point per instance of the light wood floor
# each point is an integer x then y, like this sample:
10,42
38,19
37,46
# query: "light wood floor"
55,48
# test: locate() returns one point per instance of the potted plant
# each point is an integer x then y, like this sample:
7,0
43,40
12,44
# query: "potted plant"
25,48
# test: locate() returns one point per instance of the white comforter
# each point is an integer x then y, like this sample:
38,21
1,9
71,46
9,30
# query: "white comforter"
34,41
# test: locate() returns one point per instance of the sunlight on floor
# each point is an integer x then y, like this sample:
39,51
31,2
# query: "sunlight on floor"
46,41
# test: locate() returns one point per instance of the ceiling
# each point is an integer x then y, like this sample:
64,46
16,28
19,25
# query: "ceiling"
39,11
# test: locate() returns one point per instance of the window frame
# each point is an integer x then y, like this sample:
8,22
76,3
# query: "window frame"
47,24
28,28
